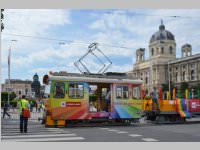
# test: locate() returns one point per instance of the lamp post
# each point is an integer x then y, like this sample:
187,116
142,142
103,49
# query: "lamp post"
9,54
169,81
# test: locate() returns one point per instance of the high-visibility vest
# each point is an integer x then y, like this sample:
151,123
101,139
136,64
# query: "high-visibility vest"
23,104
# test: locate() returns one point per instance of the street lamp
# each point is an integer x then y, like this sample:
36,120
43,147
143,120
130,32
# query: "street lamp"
169,81
9,54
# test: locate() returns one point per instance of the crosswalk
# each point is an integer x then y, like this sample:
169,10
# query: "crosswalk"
134,136
35,133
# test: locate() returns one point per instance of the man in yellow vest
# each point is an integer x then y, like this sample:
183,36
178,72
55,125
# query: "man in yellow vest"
23,104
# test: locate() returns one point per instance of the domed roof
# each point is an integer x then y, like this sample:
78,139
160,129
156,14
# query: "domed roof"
162,34
36,77
186,45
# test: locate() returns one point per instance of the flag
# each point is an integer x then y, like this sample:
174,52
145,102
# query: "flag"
181,107
160,94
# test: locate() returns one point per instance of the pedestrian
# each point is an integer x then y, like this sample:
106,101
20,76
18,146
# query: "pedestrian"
31,105
5,109
23,104
36,106
154,96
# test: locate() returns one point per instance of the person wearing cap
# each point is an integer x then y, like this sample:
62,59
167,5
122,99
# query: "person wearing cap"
23,104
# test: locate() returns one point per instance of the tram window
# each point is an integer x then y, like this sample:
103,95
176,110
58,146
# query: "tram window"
122,92
76,90
136,92
59,90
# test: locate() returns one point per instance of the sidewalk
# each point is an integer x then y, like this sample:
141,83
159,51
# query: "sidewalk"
15,114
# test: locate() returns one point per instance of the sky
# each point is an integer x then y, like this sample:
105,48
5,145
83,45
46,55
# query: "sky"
52,40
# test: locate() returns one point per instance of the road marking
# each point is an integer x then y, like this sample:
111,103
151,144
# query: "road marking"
113,130
122,132
34,136
54,129
149,140
135,135
45,139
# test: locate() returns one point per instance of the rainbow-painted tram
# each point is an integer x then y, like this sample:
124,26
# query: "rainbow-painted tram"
109,97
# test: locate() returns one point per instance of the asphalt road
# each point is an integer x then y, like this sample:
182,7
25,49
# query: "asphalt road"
145,132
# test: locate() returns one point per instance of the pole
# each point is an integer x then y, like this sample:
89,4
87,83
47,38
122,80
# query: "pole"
9,53
9,58
151,76
169,82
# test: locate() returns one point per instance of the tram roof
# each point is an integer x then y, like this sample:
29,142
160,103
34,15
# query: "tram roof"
109,77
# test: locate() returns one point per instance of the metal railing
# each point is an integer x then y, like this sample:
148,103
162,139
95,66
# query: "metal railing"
14,113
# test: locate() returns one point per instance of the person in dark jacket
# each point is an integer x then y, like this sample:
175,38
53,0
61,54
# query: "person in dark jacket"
5,109
154,96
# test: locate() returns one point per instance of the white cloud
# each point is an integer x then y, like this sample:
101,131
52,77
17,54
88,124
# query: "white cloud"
114,27
33,22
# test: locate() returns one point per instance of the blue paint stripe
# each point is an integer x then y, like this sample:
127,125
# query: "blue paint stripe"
183,105
122,112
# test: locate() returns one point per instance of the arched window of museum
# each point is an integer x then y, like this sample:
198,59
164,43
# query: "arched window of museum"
183,77
162,50
152,51
192,75
176,77
171,50
146,80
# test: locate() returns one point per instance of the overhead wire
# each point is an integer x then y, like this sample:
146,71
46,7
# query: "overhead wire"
62,40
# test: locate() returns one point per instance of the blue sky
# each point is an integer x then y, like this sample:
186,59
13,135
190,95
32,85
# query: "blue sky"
131,28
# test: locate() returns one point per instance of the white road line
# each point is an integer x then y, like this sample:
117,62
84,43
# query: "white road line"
113,130
34,136
149,140
52,129
122,132
44,139
34,132
135,135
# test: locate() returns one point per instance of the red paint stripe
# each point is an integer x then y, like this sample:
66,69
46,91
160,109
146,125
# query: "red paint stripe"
78,114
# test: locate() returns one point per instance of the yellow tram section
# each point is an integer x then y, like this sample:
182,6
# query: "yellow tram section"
164,105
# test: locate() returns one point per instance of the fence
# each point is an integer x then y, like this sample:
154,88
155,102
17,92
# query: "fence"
14,113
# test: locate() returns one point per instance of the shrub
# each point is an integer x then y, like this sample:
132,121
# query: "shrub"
147,97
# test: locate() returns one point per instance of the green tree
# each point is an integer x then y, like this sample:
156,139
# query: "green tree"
4,97
2,17
196,90
183,87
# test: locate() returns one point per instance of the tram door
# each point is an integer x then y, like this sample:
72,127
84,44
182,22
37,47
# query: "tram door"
99,97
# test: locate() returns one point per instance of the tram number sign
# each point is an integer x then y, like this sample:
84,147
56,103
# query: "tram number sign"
73,104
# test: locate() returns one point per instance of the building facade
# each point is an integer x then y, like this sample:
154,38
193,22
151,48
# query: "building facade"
20,87
163,65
